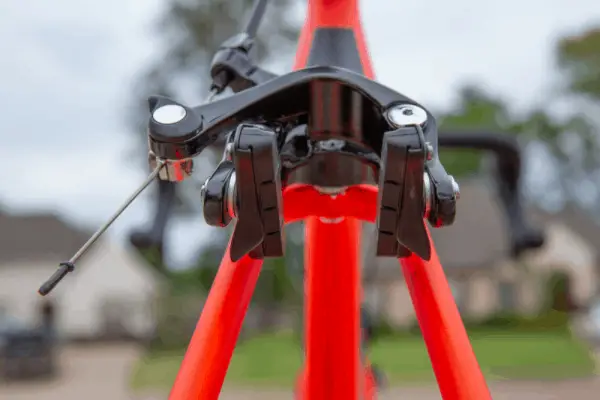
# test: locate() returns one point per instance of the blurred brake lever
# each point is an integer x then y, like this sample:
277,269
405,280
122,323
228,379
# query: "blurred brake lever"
523,235
153,238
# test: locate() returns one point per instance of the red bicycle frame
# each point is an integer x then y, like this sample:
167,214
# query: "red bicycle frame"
333,364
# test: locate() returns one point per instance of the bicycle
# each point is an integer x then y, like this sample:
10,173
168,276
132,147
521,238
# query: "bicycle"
329,127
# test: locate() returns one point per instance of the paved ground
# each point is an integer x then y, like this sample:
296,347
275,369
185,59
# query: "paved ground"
101,372
582,390
88,373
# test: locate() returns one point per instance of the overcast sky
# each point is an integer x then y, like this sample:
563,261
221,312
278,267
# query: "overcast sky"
67,65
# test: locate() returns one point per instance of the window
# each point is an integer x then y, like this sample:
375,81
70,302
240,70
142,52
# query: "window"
117,316
508,296
461,295
47,315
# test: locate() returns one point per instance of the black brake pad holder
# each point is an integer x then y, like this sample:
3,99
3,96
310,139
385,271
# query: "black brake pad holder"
259,229
400,225
215,212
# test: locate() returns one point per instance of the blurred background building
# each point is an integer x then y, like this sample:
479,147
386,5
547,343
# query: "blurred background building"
113,295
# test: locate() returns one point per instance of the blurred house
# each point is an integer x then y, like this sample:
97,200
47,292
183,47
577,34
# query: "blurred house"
111,294
474,252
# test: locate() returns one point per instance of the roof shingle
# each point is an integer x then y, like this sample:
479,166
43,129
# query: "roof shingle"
38,237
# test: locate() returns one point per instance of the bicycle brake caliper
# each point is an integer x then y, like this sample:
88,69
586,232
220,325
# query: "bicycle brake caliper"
248,187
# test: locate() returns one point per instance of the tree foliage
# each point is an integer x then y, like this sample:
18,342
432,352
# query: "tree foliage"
474,110
572,139
578,57
191,31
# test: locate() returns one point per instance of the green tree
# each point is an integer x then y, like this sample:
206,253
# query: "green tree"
200,276
475,110
572,140
279,281
478,110
578,57
280,285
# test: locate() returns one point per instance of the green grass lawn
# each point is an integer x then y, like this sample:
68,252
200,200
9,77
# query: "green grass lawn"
274,360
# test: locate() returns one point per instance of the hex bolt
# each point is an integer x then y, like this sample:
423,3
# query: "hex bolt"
406,115
428,151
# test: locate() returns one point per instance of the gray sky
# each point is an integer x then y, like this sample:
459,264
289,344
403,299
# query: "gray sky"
67,148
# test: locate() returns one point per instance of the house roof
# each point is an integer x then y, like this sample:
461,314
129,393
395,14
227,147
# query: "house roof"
38,237
479,236
575,218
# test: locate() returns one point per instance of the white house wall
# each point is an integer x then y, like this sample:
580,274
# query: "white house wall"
566,250
107,273
19,283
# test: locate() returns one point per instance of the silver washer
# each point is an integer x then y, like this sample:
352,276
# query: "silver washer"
455,187
174,170
427,194
169,114
231,196
407,115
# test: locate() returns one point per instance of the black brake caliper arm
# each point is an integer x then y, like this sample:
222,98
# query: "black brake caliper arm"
413,184
247,185
232,67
